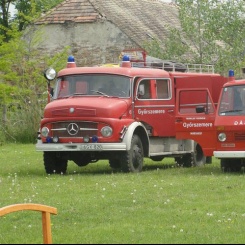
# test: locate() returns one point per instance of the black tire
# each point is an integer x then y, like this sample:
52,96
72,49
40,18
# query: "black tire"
185,160
192,159
199,158
54,164
132,160
224,165
231,165
209,159
179,161
188,160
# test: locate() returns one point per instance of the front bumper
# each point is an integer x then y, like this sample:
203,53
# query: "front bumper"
229,154
96,147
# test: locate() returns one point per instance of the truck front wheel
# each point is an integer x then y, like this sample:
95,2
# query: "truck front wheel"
132,160
231,165
188,160
199,157
54,164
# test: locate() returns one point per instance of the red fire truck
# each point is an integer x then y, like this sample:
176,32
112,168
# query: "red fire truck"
127,113
230,124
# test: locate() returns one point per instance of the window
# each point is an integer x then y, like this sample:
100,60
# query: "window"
90,84
162,89
195,101
154,89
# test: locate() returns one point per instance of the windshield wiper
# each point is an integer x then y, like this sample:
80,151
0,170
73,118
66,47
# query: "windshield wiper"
230,111
99,92
78,94
70,95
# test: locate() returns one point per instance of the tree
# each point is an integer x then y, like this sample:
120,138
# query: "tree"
22,85
26,12
5,17
212,32
23,88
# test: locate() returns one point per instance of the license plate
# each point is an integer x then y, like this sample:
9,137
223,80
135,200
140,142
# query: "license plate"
91,147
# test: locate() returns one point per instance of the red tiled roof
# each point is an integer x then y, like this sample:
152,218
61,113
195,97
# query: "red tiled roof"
70,10
138,19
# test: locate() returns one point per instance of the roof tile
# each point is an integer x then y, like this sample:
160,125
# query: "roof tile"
139,19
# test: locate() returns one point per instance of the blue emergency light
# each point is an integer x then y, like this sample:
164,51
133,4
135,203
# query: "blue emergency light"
71,62
95,139
126,58
231,73
71,59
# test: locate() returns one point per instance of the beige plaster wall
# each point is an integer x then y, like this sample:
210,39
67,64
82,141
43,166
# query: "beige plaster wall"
90,43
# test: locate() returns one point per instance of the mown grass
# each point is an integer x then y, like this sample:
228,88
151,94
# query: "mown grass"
162,204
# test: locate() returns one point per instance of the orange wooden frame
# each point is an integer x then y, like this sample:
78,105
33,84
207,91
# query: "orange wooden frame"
46,211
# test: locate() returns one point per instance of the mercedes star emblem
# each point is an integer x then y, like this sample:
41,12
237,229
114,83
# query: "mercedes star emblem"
72,129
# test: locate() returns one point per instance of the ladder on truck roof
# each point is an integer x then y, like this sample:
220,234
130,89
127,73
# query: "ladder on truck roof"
172,66
167,66
201,68
139,58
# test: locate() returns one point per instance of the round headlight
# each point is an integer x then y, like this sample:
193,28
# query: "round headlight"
86,139
50,74
44,131
222,137
55,139
106,131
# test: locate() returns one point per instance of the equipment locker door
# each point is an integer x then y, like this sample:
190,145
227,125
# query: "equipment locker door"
195,115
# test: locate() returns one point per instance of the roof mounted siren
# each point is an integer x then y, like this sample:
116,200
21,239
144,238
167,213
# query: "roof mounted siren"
126,61
231,75
71,62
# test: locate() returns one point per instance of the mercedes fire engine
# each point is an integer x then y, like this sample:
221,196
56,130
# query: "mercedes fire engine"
125,113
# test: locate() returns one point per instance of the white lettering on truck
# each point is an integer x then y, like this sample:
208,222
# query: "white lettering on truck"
197,125
150,112
239,123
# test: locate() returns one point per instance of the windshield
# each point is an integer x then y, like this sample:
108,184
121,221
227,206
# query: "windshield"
232,101
97,85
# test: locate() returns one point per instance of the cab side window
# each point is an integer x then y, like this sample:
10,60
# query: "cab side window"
154,89
162,86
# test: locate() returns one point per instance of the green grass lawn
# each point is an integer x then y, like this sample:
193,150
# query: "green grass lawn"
162,204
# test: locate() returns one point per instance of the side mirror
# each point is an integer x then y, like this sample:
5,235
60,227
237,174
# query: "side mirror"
141,90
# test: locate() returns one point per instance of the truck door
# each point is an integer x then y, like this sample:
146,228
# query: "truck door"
195,115
154,105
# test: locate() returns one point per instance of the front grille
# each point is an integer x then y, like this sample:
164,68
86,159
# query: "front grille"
239,136
74,129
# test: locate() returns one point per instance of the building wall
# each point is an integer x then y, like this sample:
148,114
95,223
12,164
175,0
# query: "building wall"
90,43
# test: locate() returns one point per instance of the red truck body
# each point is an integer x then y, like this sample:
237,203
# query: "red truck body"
151,113
230,125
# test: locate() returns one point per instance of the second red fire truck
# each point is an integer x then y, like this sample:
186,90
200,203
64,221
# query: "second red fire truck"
230,125
127,113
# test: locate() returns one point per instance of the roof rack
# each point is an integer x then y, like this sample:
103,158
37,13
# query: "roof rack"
139,58
201,68
172,66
